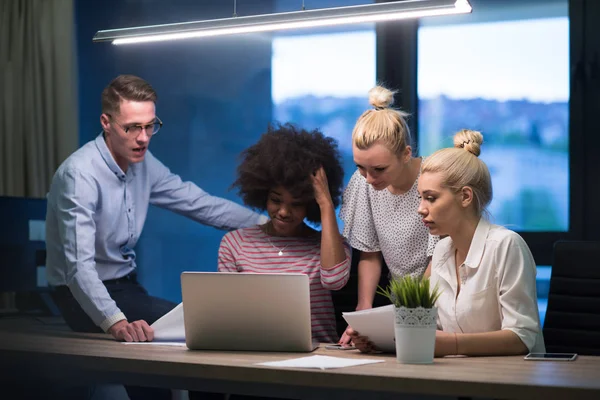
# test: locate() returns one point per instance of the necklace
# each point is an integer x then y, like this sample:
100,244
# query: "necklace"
280,250
267,231
277,248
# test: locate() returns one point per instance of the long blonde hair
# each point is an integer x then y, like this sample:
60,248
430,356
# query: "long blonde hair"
461,166
382,124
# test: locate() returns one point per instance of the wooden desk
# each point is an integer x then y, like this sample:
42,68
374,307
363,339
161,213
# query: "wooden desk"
52,352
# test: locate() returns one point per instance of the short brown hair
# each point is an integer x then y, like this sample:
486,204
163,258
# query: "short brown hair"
126,87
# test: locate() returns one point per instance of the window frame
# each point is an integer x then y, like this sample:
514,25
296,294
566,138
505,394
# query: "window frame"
397,67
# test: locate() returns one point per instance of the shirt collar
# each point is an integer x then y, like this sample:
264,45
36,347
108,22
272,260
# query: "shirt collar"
108,158
476,249
478,244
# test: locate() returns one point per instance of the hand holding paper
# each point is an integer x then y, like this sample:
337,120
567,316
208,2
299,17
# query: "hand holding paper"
169,329
377,324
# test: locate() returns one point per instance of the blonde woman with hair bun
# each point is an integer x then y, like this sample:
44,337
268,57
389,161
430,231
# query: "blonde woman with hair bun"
379,206
486,273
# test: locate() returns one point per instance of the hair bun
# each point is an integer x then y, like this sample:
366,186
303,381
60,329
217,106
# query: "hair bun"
381,97
469,140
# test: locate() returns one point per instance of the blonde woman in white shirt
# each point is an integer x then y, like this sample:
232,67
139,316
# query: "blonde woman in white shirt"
486,272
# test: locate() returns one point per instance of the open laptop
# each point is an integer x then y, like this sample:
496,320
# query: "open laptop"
245,311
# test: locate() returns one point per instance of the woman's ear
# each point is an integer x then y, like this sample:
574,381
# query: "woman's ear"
407,154
466,196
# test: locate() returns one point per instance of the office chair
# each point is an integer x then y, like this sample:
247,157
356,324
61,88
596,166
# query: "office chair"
572,323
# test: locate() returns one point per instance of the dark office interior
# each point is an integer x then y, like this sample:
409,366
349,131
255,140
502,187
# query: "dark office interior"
217,96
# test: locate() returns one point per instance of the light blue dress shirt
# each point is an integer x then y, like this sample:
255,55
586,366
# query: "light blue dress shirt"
96,214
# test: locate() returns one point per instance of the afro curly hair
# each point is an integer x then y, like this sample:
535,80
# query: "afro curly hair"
287,156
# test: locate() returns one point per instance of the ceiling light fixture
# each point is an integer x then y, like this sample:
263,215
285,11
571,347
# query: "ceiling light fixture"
378,12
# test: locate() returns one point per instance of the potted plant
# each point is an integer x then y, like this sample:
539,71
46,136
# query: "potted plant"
415,318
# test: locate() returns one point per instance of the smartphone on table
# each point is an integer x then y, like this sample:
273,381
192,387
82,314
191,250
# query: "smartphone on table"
551,356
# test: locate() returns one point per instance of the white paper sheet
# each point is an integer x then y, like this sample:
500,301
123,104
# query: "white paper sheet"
376,323
170,326
169,329
320,362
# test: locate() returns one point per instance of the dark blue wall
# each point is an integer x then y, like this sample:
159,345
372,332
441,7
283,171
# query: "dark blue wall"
214,100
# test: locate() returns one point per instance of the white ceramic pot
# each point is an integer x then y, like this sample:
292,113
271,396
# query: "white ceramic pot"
414,330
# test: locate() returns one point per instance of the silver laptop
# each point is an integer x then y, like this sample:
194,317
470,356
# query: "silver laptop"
245,311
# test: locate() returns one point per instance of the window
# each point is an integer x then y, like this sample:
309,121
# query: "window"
321,81
510,80
505,72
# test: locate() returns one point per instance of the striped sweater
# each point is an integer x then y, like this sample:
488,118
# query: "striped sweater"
251,250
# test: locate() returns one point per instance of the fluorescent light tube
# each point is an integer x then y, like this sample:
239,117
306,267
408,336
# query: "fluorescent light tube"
378,12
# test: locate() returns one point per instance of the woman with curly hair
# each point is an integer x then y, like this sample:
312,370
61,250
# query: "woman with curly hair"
294,175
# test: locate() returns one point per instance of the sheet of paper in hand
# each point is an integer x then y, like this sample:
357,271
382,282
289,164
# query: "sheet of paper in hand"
168,329
376,323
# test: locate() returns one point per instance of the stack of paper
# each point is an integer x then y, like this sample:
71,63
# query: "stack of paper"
376,323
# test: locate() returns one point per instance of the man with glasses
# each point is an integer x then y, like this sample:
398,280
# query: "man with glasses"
97,206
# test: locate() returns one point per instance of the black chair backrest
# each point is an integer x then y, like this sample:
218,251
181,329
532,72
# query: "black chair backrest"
572,323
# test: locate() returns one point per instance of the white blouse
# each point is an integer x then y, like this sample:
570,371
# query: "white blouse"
498,289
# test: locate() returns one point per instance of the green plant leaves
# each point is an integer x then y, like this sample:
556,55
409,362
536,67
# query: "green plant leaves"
410,292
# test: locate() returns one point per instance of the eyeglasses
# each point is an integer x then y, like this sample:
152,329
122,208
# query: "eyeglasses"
151,129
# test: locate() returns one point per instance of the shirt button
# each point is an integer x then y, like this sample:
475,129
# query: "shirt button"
129,210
